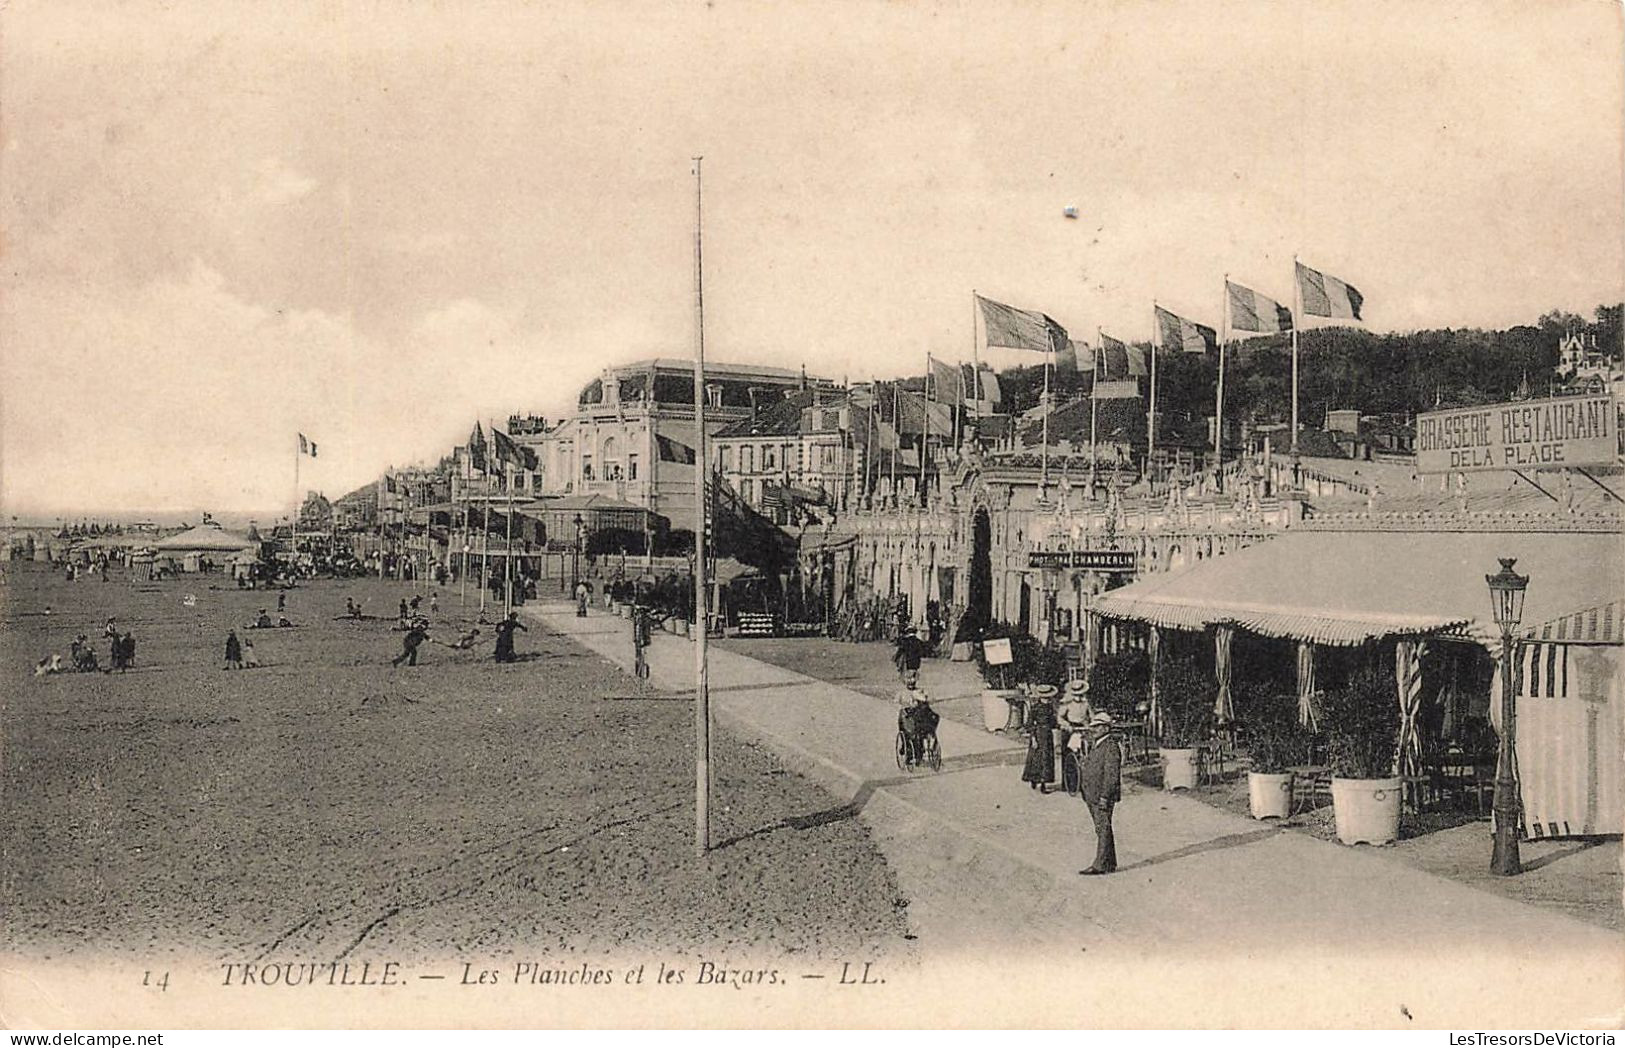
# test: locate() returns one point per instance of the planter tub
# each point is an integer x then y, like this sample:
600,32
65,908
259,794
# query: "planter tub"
1178,769
1270,794
1367,810
995,707
682,627
962,652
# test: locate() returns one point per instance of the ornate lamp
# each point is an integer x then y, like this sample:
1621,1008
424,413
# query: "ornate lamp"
1506,599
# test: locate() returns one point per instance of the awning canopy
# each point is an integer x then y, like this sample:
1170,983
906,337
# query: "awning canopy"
1603,624
1346,588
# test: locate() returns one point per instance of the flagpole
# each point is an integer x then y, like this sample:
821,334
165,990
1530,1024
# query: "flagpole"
1043,468
897,427
1151,417
507,558
925,431
297,455
869,458
1297,314
702,691
1218,408
485,536
462,545
1094,404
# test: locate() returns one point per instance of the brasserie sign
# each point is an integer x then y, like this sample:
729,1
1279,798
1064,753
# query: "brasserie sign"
1555,433
1082,559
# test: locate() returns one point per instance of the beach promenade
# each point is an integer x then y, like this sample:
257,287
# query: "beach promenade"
1210,914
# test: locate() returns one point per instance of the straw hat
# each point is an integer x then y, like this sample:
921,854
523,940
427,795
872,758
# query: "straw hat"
1044,691
1077,687
1101,719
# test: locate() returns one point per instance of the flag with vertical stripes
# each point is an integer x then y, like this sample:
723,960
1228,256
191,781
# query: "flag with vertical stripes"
1250,311
1010,328
1075,357
1185,335
946,381
307,447
1117,360
1327,296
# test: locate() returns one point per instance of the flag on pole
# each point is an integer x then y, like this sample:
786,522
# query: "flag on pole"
1325,296
507,452
1250,311
307,447
476,448
1010,328
946,381
389,483
1118,360
1075,357
674,450
1187,335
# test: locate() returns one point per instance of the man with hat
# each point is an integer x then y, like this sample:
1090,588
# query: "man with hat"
1101,781
910,649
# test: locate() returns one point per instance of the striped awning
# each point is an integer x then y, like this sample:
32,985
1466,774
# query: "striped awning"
1347,588
1603,624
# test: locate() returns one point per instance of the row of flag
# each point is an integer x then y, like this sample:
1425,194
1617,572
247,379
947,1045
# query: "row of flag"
1319,294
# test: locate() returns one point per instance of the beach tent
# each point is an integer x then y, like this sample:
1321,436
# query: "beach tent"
1571,703
205,538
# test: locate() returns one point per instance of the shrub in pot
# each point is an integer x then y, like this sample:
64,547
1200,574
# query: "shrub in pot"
1361,722
1275,742
1185,699
1031,663
1119,682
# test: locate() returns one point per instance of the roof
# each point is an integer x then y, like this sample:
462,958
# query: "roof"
206,538
1345,588
1602,624
782,418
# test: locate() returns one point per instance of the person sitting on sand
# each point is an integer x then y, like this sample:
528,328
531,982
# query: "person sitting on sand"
467,641
49,664
262,621
111,630
234,651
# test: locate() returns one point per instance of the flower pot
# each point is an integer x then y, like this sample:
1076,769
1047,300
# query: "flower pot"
682,627
1367,810
1270,794
1178,769
995,707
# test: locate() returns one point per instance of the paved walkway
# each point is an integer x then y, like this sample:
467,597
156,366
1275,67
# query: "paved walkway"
1213,919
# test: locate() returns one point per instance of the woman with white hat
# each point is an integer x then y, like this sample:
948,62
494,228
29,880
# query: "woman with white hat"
1073,719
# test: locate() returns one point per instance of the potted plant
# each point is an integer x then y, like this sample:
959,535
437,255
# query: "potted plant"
1030,663
1185,698
1361,723
1275,742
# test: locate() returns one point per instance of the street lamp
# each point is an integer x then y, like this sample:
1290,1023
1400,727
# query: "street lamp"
1506,598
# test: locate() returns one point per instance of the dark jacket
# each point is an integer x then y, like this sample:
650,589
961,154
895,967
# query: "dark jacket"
1100,776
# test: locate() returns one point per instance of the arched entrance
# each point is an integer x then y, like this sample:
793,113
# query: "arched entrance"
979,587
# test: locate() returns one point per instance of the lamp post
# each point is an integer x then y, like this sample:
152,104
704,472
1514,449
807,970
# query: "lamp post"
575,554
1506,598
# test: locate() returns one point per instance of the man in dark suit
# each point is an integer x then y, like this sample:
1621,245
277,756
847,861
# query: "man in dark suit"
1101,782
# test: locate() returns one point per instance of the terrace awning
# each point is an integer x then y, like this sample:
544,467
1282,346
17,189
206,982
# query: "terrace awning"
1346,588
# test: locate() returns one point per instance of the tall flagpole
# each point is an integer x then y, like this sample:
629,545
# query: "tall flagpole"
1094,405
869,456
1043,469
897,427
925,430
1218,409
507,557
1151,418
485,533
975,361
297,455
1297,314
462,544
702,620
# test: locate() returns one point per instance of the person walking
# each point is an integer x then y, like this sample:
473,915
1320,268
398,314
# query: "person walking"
505,628
414,638
234,651
910,650
1101,782
281,602
581,599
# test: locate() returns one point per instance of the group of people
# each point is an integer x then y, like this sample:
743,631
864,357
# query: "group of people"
240,654
1092,765
82,655
417,634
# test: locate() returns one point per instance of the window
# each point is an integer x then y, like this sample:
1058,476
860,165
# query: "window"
631,467
746,458
827,455
769,457
747,490
586,467
727,455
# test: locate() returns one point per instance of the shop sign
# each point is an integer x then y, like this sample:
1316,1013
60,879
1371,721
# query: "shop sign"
997,652
1553,433
1114,560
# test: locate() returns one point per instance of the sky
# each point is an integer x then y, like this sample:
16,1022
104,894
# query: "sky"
375,223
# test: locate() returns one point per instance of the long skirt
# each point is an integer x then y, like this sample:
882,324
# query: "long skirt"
1040,758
